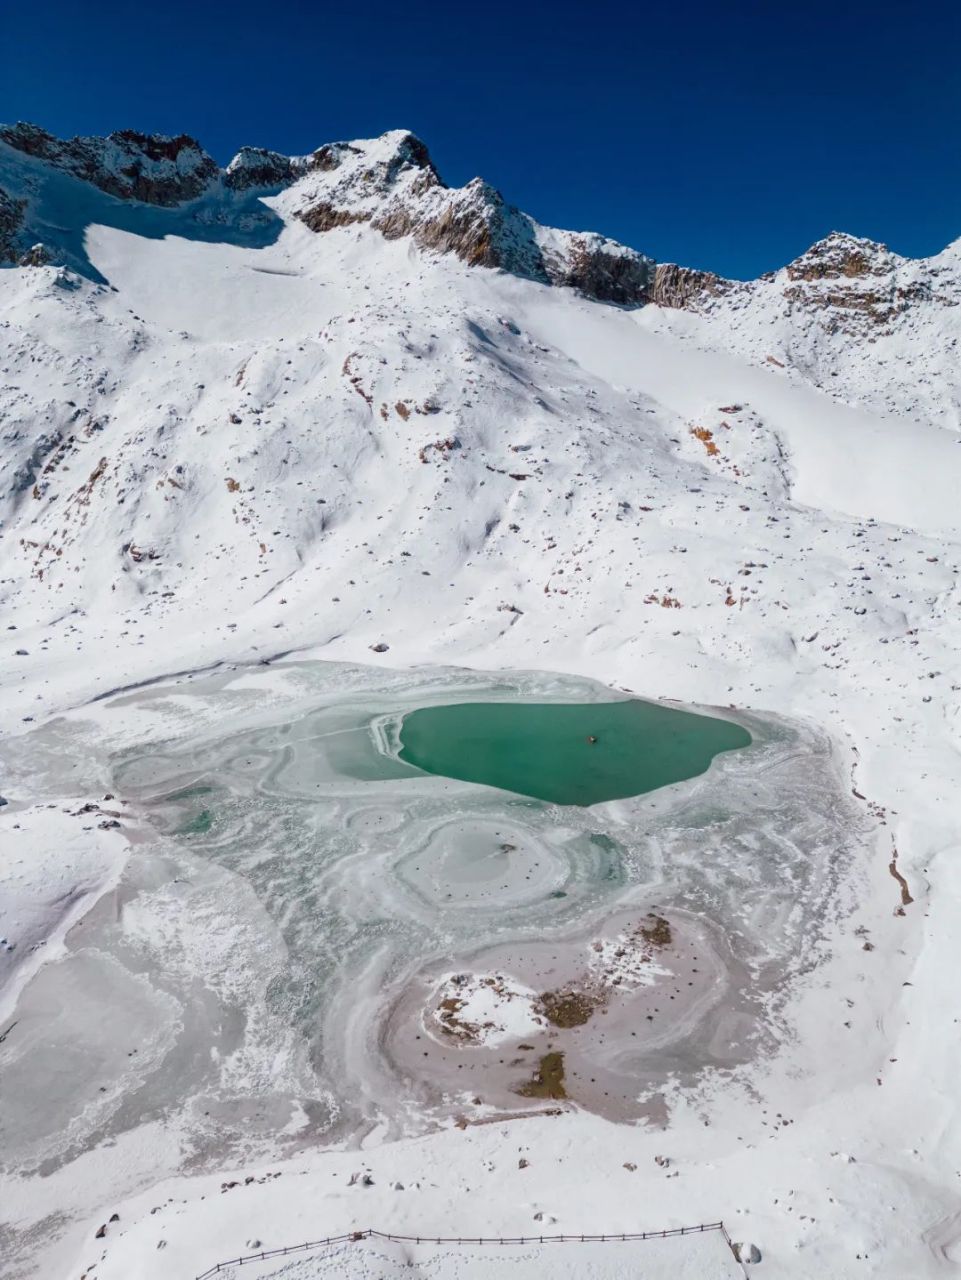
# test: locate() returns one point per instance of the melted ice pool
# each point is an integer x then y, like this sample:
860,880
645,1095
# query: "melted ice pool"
579,753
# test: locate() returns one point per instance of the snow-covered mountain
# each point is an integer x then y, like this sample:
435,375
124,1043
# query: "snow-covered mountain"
212,384
388,182
328,406
848,316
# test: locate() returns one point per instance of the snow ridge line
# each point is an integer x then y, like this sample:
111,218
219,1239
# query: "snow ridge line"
369,1234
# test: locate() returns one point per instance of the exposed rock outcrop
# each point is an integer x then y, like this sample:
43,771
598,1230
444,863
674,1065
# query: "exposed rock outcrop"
37,255
255,167
324,217
475,224
839,256
329,156
11,219
859,285
684,288
606,271
392,184
133,166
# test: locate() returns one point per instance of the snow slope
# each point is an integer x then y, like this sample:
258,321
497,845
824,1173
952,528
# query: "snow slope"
226,437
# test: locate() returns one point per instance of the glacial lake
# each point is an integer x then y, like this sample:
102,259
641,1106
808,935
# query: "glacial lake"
566,753
353,897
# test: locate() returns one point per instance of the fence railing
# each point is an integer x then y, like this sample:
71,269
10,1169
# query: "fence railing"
369,1234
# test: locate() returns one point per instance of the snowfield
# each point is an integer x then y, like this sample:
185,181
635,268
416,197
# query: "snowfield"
231,444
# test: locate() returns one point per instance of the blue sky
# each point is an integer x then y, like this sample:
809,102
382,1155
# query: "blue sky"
727,136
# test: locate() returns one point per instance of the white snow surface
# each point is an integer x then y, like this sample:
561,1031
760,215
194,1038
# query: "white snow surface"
226,454
52,870
491,1008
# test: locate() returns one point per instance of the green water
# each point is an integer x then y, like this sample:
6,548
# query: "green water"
544,749
200,825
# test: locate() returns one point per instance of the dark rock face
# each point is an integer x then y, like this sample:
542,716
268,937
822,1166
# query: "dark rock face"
412,153
32,140
11,219
626,279
475,224
324,217
464,232
328,157
684,288
133,166
255,167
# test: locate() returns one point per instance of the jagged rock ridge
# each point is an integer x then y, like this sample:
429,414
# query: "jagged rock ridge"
151,168
393,185
863,281
855,284
389,182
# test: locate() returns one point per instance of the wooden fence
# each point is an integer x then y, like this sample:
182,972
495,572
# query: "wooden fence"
368,1234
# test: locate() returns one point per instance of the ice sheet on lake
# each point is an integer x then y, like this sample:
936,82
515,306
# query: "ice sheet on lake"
295,882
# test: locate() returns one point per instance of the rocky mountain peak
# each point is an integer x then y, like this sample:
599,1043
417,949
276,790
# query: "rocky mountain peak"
254,167
361,175
841,256
859,286
392,184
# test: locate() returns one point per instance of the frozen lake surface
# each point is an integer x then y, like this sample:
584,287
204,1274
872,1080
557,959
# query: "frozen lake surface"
313,940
